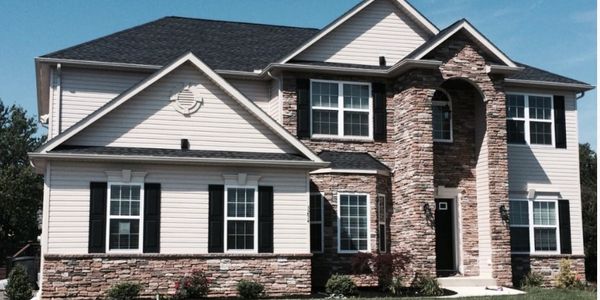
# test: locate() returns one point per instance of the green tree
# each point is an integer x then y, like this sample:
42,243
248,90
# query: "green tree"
18,286
587,170
21,189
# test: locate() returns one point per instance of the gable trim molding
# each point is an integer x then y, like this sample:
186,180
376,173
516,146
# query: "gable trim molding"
412,12
480,38
222,83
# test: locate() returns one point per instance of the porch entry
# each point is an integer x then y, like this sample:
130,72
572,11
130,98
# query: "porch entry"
445,245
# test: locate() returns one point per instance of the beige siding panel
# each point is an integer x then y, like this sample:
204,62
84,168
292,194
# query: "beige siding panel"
54,110
184,205
149,120
255,90
483,210
85,90
381,29
552,169
275,106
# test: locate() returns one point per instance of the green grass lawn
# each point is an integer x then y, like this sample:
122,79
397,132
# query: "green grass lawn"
542,294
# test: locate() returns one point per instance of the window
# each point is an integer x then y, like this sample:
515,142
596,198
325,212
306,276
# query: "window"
341,109
124,217
530,119
382,223
442,117
316,222
240,222
534,226
353,223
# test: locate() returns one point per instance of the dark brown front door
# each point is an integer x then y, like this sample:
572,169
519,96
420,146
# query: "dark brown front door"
444,237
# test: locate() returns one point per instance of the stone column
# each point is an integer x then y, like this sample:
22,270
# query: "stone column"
412,182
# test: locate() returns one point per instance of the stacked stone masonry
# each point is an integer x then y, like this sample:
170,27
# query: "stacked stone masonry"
548,266
90,276
418,164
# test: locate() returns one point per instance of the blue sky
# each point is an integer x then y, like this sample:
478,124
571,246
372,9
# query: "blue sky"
556,35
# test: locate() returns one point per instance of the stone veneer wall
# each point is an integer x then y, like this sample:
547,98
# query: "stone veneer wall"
548,266
454,165
409,152
89,276
330,261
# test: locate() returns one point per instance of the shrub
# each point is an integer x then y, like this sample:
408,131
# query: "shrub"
532,279
340,285
18,286
250,289
194,286
124,291
427,286
566,279
389,265
395,286
361,263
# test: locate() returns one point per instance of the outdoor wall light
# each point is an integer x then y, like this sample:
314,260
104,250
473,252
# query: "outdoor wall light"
504,214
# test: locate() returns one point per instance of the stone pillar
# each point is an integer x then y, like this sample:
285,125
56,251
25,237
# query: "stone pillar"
412,182
498,181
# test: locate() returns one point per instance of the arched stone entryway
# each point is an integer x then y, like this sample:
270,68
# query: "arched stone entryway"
484,173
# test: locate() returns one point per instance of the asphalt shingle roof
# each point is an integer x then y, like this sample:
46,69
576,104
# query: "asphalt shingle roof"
352,161
224,45
126,151
220,44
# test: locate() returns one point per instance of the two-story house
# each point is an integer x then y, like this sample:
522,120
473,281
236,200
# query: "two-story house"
277,153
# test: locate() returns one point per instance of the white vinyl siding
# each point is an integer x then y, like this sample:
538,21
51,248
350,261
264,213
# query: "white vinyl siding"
85,90
551,170
381,29
149,120
184,205
256,90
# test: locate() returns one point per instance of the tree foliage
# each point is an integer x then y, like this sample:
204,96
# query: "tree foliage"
21,189
587,169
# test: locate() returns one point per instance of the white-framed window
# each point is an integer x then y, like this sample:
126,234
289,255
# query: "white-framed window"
241,214
125,217
353,223
530,119
441,110
341,109
382,223
316,222
534,226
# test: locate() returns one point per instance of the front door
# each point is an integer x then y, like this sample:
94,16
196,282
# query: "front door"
444,237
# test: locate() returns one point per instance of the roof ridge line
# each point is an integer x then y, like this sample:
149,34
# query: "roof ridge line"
240,22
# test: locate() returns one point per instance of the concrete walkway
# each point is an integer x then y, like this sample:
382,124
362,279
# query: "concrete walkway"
473,291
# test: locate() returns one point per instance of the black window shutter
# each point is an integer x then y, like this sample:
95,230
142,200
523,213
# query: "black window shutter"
560,130
379,111
216,215
303,107
265,219
564,220
97,234
152,218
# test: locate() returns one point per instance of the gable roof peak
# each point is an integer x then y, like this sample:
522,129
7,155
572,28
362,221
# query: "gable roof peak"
465,25
187,57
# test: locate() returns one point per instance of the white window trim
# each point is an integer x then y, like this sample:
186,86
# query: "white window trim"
140,218
527,120
382,222
322,222
532,227
339,219
340,110
442,103
254,219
